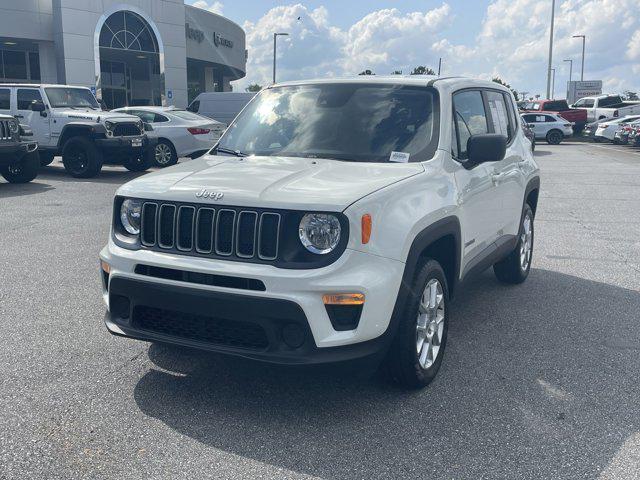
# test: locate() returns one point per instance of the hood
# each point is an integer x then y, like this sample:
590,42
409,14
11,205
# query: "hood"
270,182
93,115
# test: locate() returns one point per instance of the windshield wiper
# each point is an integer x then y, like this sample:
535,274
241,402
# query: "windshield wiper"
237,153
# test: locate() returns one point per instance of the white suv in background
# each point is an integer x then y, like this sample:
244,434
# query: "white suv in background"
335,221
550,127
68,121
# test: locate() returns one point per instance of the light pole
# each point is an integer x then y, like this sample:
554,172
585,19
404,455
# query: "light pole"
275,37
584,40
553,11
570,72
553,84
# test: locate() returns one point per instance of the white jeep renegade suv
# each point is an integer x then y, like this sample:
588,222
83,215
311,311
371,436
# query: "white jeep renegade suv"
333,220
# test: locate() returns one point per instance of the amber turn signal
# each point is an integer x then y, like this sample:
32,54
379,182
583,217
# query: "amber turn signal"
343,299
366,228
105,266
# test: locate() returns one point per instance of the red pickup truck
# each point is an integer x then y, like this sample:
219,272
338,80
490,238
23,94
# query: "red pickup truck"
560,107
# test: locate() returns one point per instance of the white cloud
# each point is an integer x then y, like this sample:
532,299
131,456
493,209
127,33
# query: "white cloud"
512,43
215,7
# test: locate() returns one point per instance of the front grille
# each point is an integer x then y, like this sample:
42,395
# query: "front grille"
5,131
126,130
200,328
225,232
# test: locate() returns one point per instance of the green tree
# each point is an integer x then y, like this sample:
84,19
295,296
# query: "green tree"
366,72
422,70
253,87
502,82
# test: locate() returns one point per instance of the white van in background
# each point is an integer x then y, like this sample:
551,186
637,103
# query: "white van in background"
221,106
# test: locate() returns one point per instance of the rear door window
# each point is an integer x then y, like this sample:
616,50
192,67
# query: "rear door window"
499,114
194,107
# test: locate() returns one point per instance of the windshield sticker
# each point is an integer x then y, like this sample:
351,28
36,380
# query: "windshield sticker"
399,157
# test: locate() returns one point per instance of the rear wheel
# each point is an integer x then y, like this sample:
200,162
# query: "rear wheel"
23,171
515,268
46,158
164,154
554,137
418,347
81,158
137,163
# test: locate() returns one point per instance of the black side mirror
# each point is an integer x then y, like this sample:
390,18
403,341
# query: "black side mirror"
488,147
38,106
147,127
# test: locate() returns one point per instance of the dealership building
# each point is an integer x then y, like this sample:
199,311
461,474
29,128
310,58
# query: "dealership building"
132,52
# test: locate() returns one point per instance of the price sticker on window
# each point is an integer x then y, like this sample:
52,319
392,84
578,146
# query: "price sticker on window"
399,157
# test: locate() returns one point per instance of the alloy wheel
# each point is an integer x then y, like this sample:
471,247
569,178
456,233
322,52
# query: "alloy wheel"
163,154
430,324
526,242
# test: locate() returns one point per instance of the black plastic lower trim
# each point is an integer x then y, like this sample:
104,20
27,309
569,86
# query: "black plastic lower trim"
289,338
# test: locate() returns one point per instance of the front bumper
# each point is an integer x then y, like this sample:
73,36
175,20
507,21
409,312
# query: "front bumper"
115,145
12,152
170,311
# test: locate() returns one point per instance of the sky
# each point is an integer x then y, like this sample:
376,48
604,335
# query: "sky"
477,38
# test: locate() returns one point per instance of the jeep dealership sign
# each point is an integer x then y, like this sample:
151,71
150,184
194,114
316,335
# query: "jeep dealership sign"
198,36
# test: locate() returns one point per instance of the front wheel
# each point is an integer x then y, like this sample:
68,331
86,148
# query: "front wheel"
554,137
137,163
81,158
515,268
418,347
23,171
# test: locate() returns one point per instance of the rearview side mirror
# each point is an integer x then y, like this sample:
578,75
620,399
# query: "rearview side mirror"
38,106
487,147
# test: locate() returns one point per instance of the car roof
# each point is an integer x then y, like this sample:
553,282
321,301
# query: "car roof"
43,85
415,80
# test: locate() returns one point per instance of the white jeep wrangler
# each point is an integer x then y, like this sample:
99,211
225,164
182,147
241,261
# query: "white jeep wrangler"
334,220
68,121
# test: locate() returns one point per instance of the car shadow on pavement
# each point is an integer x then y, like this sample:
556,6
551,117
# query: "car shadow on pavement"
109,174
541,153
516,396
8,190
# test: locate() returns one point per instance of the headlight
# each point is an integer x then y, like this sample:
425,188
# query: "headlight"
109,126
319,232
13,126
141,126
130,212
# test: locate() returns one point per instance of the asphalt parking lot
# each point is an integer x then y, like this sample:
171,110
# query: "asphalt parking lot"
538,381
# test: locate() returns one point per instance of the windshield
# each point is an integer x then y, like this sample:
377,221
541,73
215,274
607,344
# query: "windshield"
353,122
532,106
71,97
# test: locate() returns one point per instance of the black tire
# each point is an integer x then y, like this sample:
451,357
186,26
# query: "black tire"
138,163
554,137
403,359
513,269
46,158
163,149
24,171
533,145
81,158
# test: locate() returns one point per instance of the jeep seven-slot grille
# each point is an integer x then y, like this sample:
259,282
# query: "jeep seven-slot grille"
221,232
126,130
5,131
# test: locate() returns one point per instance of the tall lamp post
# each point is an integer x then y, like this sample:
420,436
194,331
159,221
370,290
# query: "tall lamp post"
584,40
553,84
275,38
553,12
570,73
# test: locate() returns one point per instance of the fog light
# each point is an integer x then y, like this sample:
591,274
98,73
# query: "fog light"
293,335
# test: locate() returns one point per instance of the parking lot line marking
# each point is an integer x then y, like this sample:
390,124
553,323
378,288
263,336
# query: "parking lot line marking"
616,149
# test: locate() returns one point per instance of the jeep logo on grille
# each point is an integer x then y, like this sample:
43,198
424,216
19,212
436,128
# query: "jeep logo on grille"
204,193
